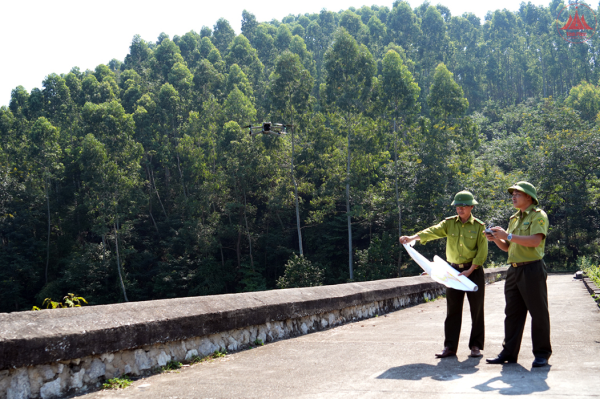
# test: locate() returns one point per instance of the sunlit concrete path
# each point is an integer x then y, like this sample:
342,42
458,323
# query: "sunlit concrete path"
392,356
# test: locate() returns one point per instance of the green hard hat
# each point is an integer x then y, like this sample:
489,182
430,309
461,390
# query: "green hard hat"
527,188
464,198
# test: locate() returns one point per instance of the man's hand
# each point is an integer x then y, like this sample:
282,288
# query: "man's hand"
407,239
499,233
467,273
499,236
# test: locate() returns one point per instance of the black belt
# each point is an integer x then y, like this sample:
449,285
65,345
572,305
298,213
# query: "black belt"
462,265
524,263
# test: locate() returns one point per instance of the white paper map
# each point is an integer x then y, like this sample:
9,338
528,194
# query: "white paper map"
441,271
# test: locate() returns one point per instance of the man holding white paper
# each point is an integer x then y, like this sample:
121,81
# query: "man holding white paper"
466,251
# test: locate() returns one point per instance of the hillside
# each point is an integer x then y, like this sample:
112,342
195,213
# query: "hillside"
137,180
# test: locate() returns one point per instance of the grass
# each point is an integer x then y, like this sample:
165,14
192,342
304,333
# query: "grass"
171,366
121,382
215,355
434,299
585,264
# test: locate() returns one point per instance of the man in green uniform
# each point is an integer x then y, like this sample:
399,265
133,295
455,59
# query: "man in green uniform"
466,251
525,288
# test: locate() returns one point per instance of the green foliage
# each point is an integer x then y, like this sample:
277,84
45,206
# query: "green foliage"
134,180
585,98
400,92
121,382
446,97
222,352
171,365
300,272
350,69
380,260
591,268
69,301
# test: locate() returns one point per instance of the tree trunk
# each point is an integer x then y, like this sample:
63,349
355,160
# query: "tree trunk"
150,204
238,248
248,233
543,72
150,172
348,210
397,196
181,177
48,242
296,195
119,261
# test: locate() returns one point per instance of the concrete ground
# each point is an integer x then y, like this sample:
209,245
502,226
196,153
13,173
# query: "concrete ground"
392,356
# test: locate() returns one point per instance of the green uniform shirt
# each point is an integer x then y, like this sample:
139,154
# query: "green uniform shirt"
528,223
466,242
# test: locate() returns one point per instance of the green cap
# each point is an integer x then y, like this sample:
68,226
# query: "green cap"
464,198
525,187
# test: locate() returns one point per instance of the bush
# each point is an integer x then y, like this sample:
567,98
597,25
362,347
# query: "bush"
592,270
300,272
379,261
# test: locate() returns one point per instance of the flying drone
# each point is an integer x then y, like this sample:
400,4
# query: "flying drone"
274,129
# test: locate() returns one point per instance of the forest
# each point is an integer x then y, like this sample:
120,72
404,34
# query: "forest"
139,180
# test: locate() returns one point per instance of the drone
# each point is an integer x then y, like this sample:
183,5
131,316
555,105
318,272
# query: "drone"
274,129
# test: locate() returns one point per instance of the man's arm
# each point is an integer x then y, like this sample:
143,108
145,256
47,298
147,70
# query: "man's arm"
500,238
407,239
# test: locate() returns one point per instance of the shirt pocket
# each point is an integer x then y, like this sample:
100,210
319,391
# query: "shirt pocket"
470,239
453,239
524,229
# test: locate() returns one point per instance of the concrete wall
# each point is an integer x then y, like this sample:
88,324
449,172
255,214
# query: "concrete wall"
53,352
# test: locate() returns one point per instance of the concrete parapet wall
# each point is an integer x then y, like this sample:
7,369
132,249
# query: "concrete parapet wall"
51,352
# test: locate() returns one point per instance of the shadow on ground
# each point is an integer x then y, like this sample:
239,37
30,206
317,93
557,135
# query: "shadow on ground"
514,379
517,380
447,369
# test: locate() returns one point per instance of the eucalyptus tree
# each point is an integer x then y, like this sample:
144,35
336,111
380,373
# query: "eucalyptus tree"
131,90
445,145
433,45
298,46
289,90
237,77
399,95
241,52
446,98
139,55
223,34
350,69
45,154
403,26
189,44
109,159
283,38
57,99
249,24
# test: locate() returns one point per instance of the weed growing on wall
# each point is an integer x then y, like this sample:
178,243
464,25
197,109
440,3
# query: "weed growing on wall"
121,382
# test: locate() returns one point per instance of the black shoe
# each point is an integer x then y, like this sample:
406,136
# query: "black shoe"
445,353
500,359
539,362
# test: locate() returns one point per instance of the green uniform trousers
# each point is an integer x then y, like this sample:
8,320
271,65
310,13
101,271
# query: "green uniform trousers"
525,290
454,304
